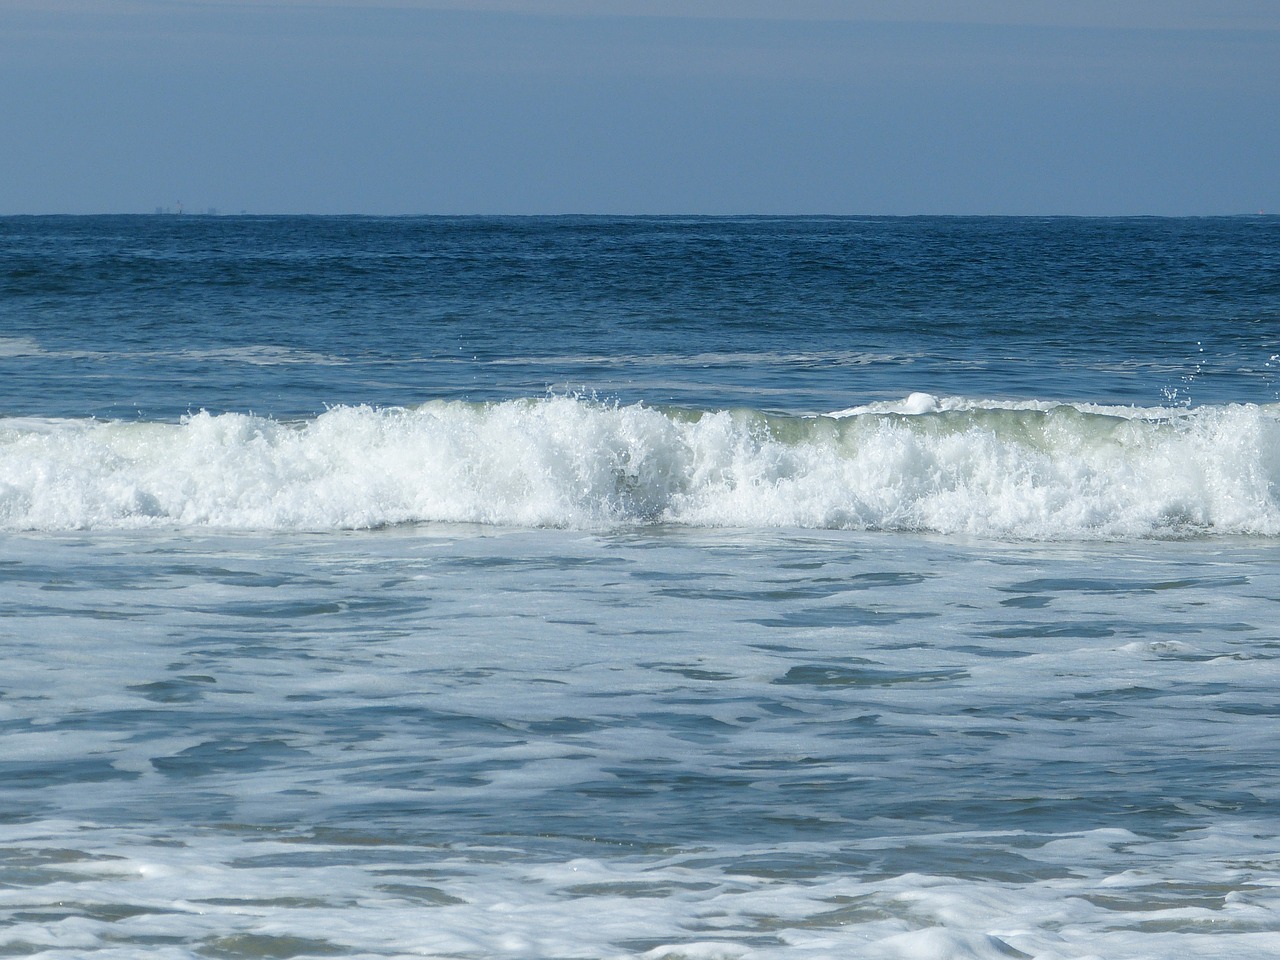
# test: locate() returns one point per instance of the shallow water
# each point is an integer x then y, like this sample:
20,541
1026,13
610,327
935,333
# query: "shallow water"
472,743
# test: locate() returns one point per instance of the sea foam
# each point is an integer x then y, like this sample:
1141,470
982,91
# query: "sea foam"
1026,470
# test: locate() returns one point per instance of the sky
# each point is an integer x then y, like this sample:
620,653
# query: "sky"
862,107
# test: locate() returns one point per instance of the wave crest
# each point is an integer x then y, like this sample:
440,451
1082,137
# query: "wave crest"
1028,471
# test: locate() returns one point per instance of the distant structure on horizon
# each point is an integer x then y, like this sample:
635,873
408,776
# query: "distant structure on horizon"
178,211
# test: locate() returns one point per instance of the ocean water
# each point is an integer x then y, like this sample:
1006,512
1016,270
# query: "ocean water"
663,588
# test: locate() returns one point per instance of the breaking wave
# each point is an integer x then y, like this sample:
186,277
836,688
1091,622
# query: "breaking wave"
1028,470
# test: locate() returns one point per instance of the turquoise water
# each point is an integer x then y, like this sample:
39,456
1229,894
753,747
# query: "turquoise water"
664,588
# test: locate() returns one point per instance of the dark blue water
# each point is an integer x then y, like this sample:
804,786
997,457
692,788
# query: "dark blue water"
154,317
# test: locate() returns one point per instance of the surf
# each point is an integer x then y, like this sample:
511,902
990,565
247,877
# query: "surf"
1034,470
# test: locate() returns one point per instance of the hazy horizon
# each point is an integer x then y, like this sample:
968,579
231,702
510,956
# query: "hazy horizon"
563,107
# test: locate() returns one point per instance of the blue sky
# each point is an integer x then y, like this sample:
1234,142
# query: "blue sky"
653,106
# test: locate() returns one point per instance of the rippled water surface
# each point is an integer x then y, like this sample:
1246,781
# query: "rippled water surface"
546,743
608,588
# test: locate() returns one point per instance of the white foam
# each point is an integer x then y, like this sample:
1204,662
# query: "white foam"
216,893
854,358
19,347
937,943
919,403
1026,470
262,355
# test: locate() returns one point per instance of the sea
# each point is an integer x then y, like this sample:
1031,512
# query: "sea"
677,587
